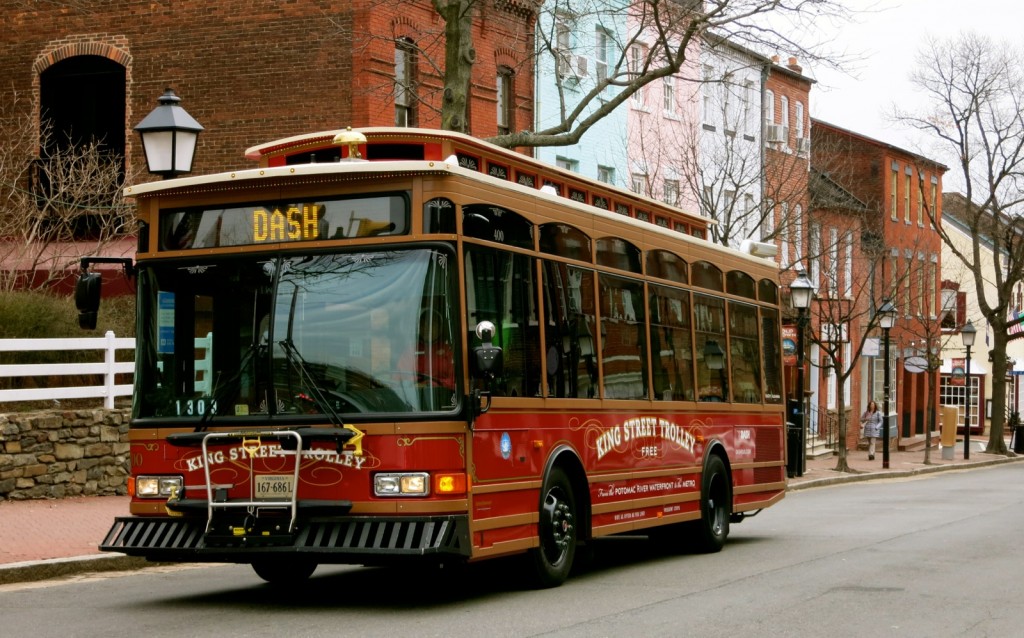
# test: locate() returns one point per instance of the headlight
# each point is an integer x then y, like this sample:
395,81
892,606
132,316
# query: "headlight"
157,486
402,484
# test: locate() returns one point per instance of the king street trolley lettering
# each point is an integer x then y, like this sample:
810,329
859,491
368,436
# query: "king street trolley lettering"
633,430
219,457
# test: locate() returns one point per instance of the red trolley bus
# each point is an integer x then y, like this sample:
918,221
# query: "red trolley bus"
402,344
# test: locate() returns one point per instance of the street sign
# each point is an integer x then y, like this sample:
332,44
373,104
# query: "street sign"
913,365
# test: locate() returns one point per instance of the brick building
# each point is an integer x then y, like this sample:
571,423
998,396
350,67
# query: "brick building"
900,194
252,72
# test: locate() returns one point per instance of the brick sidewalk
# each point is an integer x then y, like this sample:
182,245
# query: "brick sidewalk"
44,529
821,471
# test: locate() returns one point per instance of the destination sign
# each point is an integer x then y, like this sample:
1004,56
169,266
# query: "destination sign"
284,221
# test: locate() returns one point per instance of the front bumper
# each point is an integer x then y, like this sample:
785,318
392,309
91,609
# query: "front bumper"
334,539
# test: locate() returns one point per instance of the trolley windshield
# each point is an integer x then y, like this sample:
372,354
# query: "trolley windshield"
312,334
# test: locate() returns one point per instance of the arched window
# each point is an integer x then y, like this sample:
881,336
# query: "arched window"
81,165
506,101
82,100
405,82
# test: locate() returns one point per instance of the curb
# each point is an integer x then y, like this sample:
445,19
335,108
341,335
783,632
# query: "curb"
873,476
57,567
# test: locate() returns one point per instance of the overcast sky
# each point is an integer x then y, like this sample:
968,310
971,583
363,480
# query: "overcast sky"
889,37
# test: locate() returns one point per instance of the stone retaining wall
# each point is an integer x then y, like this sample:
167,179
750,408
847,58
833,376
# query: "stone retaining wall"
55,454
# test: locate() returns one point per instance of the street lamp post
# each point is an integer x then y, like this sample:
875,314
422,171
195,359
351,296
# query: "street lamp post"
886,319
169,136
967,334
801,292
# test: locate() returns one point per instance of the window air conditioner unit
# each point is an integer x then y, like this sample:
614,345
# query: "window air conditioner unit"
773,133
803,145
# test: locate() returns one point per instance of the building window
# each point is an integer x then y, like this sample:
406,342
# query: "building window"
728,108
567,164
668,87
798,240
768,227
637,63
606,174
405,90
769,107
563,44
833,262
671,187
814,254
82,102
935,190
952,391
603,53
906,198
922,286
506,117
638,183
707,93
784,115
892,195
848,267
799,120
920,206
931,288
748,104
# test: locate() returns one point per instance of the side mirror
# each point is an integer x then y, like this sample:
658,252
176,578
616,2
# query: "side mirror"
87,298
488,360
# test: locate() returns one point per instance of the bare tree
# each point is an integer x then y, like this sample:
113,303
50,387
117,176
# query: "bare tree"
663,37
975,89
54,209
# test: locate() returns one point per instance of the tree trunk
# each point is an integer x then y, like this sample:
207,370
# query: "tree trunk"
996,443
459,56
841,463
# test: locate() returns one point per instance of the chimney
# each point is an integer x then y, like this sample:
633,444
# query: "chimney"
793,66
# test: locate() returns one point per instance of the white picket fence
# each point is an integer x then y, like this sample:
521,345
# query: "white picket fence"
108,344
108,368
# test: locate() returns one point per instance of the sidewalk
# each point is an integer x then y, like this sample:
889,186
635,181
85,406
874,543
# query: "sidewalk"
48,538
821,471
42,539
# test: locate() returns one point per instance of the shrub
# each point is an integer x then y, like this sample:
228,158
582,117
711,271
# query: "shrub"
43,315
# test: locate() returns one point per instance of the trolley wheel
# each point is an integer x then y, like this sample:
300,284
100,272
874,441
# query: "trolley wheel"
709,533
552,560
284,572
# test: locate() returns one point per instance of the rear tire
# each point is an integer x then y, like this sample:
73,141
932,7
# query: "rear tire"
284,572
709,533
552,561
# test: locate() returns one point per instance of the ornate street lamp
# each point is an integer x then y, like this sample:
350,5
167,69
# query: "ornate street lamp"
169,136
886,319
801,292
967,333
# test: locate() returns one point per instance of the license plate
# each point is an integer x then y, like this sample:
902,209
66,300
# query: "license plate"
274,486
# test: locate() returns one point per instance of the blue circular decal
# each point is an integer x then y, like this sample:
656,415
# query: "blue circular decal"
506,445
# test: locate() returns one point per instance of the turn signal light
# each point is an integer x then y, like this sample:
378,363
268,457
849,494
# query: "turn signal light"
450,483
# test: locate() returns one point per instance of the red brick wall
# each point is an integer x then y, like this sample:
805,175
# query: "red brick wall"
251,72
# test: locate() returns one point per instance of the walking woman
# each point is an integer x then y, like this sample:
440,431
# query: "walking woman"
871,421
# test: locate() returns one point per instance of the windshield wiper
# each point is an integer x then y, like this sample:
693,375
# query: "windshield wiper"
219,389
291,353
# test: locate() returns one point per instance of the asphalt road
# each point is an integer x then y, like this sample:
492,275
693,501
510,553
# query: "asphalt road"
937,555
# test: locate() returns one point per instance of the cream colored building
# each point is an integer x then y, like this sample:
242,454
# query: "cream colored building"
960,304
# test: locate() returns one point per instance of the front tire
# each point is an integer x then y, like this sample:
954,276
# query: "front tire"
284,572
551,562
